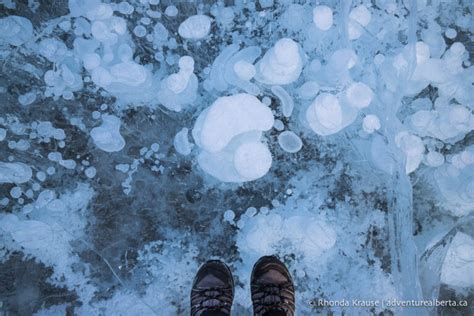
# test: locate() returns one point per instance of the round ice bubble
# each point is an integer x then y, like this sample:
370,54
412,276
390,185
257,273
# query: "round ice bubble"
280,65
361,15
371,124
171,10
195,27
359,95
229,216
434,159
177,83
139,31
450,33
91,61
285,51
252,160
90,172
15,192
186,64
229,117
328,110
322,17
244,70
181,142
290,142
125,8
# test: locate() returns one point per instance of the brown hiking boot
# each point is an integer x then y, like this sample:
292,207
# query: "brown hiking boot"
273,292
213,290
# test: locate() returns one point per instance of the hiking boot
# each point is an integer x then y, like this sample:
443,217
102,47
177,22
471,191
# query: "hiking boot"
213,290
273,292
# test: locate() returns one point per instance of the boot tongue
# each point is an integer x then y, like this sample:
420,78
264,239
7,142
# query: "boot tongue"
273,277
210,281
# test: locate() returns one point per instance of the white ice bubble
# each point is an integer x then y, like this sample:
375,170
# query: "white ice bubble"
90,172
107,136
252,160
229,216
323,17
434,159
290,142
14,172
361,15
195,27
27,98
125,8
459,262
359,95
450,33
171,11
139,31
413,148
281,65
278,125
371,123
244,70
181,142
91,61
15,192
15,30
41,176
228,117
324,115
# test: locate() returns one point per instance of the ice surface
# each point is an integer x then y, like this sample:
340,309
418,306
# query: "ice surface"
107,136
195,27
335,135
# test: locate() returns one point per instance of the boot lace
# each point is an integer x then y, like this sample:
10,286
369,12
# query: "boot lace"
211,299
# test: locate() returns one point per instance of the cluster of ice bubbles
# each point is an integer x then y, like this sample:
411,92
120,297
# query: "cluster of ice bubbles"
323,95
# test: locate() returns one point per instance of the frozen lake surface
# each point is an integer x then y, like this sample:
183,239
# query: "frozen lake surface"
140,138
